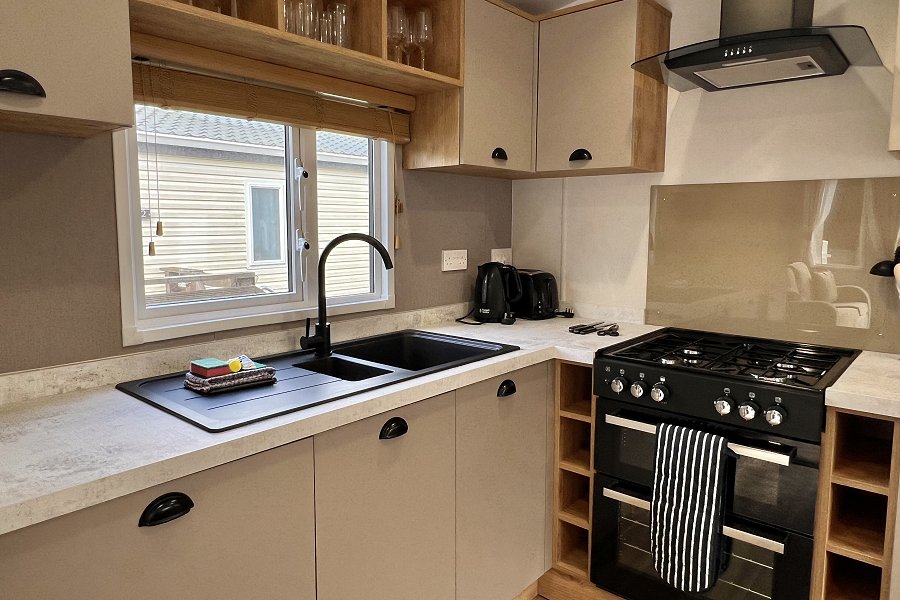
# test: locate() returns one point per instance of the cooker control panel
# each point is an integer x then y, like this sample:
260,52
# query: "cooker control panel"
760,406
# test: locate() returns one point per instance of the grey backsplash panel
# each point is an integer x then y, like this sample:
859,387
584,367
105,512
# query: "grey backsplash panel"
783,260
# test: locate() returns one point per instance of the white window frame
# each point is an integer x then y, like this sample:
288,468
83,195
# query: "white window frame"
262,184
142,325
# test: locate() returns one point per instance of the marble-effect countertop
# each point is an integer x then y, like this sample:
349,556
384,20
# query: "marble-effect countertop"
70,451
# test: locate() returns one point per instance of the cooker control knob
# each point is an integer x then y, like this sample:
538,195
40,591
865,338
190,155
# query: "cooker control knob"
659,393
724,405
619,384
748,410
639,389
775,415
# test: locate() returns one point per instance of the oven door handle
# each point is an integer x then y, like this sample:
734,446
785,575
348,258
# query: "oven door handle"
735,534
778,458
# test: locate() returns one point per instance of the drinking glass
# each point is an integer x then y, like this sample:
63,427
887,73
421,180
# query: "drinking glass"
409,42
326,29
340,23
397,31
423,33
308,25
292,15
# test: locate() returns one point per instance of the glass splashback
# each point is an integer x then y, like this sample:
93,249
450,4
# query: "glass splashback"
784,260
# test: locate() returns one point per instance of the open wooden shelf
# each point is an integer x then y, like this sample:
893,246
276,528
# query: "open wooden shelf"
575,446
575,499
858,523
175,21
851,580
575,395
862,457
573,549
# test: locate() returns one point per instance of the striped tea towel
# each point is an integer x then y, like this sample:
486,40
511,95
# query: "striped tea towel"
686,511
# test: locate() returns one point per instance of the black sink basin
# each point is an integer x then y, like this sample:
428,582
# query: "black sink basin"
342,369
304,380
416,350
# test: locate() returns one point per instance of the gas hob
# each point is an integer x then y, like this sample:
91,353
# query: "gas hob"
751,383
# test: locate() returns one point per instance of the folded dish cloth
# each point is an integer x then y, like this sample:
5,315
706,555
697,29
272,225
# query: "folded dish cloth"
209,385
686,510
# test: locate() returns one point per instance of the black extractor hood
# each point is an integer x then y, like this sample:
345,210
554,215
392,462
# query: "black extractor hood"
762,42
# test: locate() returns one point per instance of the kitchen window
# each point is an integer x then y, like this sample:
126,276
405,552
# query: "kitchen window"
222,219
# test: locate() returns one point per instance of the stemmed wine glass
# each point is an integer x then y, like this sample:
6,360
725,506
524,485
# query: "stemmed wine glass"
398,28
423,33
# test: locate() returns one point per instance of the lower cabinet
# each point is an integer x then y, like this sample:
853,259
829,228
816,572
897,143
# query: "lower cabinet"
502,513
385,505
250,534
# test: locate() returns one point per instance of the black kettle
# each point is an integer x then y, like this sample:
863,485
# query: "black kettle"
496,287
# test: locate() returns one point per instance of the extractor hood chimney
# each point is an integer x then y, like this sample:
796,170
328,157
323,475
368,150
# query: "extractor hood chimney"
762,42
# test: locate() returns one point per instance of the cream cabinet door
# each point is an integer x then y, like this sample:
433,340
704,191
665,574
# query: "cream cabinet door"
498,98
586,87
250,534
385,507
80,53
502,507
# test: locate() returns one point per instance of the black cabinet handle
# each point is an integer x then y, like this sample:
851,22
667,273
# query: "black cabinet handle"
580,154
499,154
507,388
167,507
394,428
18,82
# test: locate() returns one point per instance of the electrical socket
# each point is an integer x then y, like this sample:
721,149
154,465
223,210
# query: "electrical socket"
502,255
454,260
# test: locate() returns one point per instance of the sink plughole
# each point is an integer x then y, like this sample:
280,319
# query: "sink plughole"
305,380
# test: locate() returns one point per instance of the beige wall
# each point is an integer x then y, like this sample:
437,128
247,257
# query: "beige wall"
59,300
596,228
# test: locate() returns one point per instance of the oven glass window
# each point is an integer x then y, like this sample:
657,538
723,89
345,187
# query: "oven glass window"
749,571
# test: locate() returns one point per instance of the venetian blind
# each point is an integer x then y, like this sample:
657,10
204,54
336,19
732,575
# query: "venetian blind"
171,88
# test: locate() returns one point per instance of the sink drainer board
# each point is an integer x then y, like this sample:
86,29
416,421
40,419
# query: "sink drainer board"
411,354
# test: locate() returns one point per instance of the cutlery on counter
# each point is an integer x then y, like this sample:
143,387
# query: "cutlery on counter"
588,327
611,330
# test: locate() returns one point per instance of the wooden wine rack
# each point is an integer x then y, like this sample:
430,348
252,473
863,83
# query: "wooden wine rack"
856,514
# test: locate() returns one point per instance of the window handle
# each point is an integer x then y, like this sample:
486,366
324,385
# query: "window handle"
302,248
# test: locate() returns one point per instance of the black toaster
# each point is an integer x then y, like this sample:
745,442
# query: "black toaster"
540,296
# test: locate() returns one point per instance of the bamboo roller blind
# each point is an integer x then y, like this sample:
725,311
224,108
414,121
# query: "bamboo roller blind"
171,88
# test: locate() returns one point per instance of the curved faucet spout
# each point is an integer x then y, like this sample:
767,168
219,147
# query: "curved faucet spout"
322,339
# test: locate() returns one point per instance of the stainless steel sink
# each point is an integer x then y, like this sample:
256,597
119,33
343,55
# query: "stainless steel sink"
305,380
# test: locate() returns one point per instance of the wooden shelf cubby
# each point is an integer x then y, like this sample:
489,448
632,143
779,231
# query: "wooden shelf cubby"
573,548
575,391
862,452
575,498
857,507
848,579
858,524
575,446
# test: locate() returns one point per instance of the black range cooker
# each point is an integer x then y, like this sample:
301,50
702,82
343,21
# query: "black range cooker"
768,399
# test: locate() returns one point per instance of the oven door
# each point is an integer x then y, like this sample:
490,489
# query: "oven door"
762,563
774,479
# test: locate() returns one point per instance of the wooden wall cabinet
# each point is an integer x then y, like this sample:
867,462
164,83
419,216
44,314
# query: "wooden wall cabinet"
591,103
385,508
79,53
473,129
502,512
250,534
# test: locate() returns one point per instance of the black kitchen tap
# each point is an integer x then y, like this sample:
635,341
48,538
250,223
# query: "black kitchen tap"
322,340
